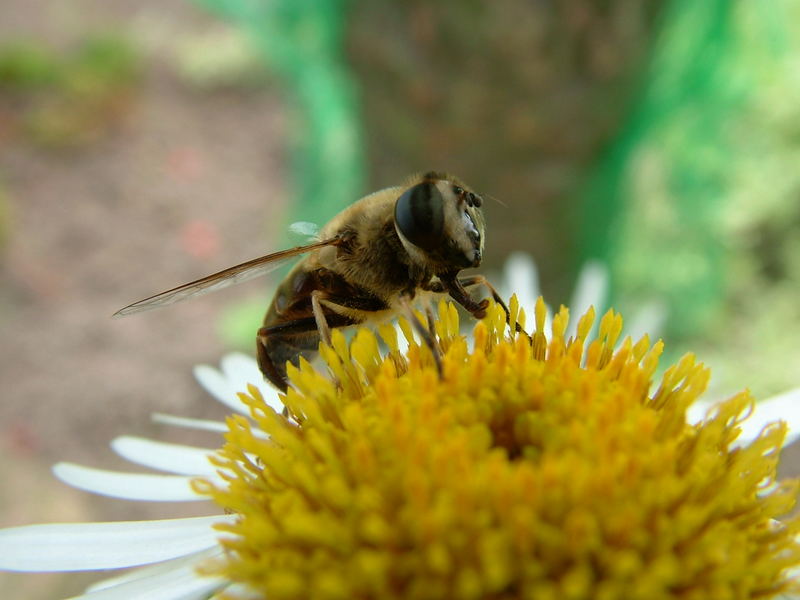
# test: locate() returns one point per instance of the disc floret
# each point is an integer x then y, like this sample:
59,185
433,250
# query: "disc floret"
533,467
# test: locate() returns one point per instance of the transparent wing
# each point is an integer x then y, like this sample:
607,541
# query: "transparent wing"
217,281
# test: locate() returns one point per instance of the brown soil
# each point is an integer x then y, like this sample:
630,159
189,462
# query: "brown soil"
97,227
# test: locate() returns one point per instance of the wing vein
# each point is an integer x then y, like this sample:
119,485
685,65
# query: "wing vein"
230,276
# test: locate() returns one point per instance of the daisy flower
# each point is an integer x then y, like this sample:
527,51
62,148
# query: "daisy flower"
547,466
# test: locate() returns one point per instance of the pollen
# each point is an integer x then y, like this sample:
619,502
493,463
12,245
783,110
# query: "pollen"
533,467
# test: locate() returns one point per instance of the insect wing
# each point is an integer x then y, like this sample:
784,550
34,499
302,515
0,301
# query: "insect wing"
305,229
230,276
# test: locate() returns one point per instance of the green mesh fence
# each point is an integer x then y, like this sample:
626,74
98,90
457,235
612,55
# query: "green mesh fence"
653,210
661,207
301,40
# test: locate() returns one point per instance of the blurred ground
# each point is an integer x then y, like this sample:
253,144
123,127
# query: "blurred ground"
94,228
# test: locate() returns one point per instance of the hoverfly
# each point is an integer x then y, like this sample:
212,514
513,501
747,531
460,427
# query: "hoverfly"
371,261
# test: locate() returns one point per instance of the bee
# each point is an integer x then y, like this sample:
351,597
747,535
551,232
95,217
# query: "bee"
370,263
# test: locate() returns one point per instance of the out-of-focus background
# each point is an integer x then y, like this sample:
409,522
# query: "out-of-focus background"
144,144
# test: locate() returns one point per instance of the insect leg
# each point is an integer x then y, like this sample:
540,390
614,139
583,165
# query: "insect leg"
426,304
319,317
449,283
481,280
425,334
287,341
474,280
458,293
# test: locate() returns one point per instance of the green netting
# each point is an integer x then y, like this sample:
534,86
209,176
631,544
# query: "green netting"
659,206
301,40
653,208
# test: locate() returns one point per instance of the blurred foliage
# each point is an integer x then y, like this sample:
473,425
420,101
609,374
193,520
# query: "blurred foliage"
5,217
239,322
221,59
653,210
761,222
698,200
26,66
301,42
56,99
516,97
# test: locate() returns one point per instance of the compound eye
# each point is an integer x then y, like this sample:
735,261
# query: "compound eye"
419,215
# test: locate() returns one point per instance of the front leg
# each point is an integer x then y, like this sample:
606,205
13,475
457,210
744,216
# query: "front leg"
427,335
319,317
473,280
450,284
457,291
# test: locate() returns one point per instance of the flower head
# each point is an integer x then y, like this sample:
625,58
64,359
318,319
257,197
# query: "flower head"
541,467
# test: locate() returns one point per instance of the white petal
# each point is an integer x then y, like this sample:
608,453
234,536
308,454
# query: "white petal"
402,342
182,583
238,371
91,546
697,411
242,370
522,279
152,570
201,424
242,592
591,289
187,423
216,384
131,486
173,458
648,319
784,407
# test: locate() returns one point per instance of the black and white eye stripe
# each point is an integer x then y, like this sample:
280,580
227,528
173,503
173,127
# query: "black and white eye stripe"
419,215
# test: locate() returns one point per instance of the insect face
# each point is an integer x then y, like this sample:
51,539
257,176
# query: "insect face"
443,222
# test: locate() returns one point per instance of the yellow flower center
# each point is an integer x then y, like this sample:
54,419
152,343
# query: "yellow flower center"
541,468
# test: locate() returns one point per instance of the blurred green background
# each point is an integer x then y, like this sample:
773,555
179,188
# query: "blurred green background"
143,144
